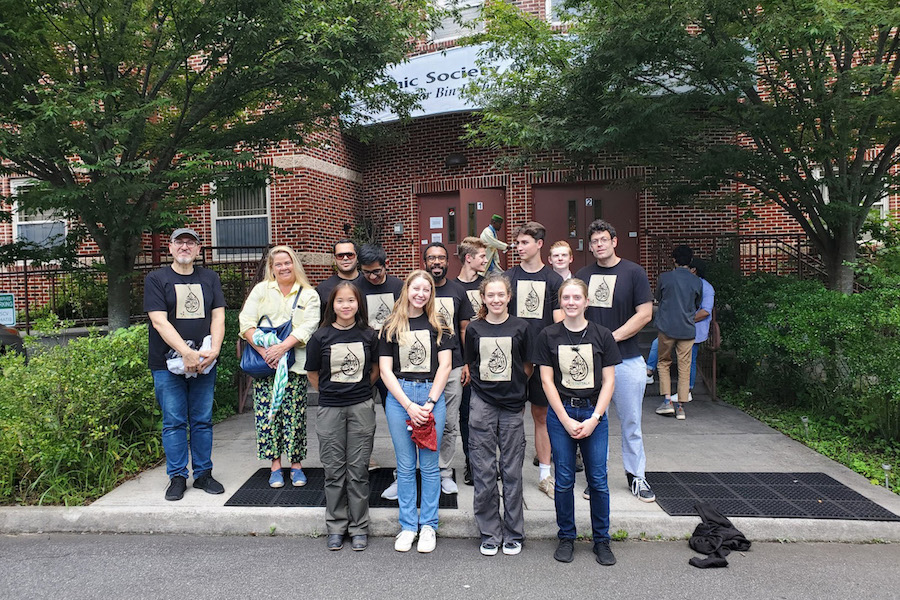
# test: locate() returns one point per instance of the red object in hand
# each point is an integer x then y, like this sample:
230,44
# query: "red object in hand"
424,436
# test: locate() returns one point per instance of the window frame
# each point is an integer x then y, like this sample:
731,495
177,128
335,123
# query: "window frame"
16,183
214,230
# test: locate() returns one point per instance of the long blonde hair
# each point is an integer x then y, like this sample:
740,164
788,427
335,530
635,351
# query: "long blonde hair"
299,273
398,322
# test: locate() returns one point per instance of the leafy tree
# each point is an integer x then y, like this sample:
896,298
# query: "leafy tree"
785,98
122,109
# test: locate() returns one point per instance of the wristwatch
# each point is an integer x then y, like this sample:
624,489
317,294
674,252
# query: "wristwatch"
430,400
597,416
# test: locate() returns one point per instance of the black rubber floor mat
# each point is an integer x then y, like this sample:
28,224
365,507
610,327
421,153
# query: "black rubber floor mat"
775,495
256,490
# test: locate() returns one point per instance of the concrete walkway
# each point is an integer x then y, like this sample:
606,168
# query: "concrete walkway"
715,437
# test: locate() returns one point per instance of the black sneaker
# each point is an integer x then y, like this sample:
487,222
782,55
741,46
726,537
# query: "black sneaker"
209,485
586,494
565,552
467,475
177,486
641,489
605,556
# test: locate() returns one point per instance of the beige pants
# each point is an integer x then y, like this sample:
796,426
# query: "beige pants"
683,352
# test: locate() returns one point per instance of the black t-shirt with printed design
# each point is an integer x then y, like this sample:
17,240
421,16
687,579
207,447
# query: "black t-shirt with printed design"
324,288
453,306
188,301
577,358
496,355
379,299
343,359
416,354
472,292
534,297
613,294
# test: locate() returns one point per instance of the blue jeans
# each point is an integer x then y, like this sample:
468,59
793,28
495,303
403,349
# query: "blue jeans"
593,451
653,359
407,453
186,402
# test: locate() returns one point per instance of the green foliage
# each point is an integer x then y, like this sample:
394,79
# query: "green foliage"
123,110
810,86
78,419
879,258
799,346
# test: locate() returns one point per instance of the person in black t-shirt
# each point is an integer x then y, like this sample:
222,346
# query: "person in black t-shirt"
415,351
535,288
345,265
498,353
473,260
185,305
577,361
341,362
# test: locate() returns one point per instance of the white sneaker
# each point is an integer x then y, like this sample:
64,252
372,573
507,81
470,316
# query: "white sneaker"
448,486
391,492
404,541
690,397
650,379
512,548
489,549
427,539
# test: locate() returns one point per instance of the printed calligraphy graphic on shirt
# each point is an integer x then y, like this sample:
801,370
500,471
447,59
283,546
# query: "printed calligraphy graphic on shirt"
189,301
415,351
601,290
446,311
379,307
346,362
474,299
576,365
496,358
530,299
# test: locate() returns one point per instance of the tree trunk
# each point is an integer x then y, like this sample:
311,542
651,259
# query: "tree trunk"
840,275
120,269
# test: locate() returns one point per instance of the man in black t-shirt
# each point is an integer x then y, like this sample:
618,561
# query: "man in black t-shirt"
473,260
453,306
345,266
535,288
620,299
379,289
186,307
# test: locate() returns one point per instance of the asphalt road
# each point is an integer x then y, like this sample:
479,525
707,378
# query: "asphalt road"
168,566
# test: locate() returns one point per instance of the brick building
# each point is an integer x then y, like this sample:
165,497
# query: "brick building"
432,186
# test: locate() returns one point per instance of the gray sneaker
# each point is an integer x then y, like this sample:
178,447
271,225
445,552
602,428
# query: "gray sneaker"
666,408
390,493
641,489
679,412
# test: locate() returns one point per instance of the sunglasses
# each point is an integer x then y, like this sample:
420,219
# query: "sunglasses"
345,255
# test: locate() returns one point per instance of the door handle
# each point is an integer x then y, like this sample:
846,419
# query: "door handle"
580,245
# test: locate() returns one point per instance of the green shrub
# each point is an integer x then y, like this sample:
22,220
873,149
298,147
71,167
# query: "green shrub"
799,345
78,419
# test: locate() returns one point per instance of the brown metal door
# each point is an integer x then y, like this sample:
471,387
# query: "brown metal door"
567,211
476,208
439,222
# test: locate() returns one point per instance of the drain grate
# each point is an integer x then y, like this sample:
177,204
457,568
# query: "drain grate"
775,495
256,490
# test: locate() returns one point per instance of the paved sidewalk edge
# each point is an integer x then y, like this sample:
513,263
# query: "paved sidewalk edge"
311,522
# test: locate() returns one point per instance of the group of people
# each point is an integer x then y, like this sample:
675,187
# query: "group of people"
448,358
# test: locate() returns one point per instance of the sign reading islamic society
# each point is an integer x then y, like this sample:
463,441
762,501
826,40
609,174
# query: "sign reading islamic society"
439,77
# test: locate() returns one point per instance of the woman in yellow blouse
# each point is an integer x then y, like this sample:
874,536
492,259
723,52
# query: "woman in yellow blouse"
280,400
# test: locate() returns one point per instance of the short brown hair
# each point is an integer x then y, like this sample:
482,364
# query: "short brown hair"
532,228
561,244
469,247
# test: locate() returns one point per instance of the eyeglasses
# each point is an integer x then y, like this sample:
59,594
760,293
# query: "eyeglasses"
435,259
345,255
373,272
601,241
188,243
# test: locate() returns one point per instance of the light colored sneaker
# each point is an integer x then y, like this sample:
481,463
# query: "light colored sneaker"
427,539
390,493
666,408
448,486
546,485
512,548
690,397
650,379
489,549
404,541
373,464
679,413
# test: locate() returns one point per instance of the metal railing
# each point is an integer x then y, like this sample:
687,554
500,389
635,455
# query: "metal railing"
79,294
